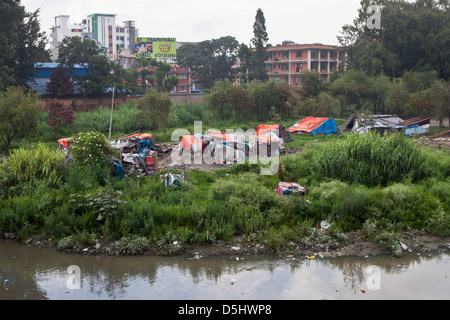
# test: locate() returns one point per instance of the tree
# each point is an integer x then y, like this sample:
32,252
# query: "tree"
311,83
411,36
154,109
245,63
260,42
60,83
440,97
229,102
210,60
18,114
60,115
75,52
22,44
398,98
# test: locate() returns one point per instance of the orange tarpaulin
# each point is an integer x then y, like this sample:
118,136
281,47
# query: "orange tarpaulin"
64,142
266,128
308,124
188,141
140,136
218,135
263,133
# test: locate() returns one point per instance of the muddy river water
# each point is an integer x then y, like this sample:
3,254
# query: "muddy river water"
45,273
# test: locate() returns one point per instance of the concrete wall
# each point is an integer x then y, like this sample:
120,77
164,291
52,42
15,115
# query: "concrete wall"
86,104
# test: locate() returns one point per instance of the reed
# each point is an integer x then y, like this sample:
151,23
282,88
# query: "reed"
29,164
370,159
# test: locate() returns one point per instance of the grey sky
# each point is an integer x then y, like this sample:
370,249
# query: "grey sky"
302,21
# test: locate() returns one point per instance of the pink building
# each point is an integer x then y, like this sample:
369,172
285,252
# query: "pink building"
289,60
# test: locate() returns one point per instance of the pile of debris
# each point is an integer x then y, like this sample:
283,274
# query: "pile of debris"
138,152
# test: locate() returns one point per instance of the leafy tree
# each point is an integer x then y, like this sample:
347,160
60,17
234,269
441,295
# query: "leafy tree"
398,98
259,40
83,53
352,89
311,83
154,109
60,115
22,44
60,83
229,102
245,60
412,36
18,113
265,95
288,99
440,97
210,60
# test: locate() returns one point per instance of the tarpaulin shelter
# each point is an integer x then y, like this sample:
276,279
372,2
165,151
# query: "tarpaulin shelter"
188,141
365,123
416,125
314,126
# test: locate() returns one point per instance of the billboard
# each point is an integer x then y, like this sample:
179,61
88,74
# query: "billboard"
156,48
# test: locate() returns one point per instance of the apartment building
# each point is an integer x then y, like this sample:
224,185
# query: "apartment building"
289,60
101,28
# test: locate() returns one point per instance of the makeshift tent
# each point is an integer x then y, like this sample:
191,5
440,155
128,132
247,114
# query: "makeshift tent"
416,125
191,141
378,122
314,126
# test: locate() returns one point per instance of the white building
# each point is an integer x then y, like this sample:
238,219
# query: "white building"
99,27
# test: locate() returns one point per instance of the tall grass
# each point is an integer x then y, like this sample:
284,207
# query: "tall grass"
28,165
370,159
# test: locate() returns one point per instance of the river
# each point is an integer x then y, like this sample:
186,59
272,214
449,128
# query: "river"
44,273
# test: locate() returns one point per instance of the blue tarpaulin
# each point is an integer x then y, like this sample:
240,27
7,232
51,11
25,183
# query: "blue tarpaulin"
315,125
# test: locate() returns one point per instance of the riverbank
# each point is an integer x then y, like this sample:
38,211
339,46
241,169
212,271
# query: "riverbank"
355,244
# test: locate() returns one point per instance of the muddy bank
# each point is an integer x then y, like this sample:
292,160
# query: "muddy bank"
354,245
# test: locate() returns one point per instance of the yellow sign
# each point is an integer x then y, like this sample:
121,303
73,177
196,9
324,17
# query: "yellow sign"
156,48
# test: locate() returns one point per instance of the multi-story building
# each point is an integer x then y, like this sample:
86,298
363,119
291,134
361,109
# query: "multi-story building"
289,60
99,27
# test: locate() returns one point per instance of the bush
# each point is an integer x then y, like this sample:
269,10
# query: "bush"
154,109
132,245
439,224
91,147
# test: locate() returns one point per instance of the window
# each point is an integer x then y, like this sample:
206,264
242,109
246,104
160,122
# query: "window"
285,55
299,54
182,88
285,67
314,53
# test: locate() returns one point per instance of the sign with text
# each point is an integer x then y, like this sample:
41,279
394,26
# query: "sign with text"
156,48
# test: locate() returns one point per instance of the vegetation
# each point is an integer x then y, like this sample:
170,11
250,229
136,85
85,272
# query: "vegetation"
214,206
83,54
23,44
19,110
378,185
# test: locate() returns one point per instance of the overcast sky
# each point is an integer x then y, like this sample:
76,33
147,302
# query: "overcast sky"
302,21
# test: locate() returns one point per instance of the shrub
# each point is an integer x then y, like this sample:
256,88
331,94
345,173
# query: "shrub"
439,224
132,245
154,109
91,148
